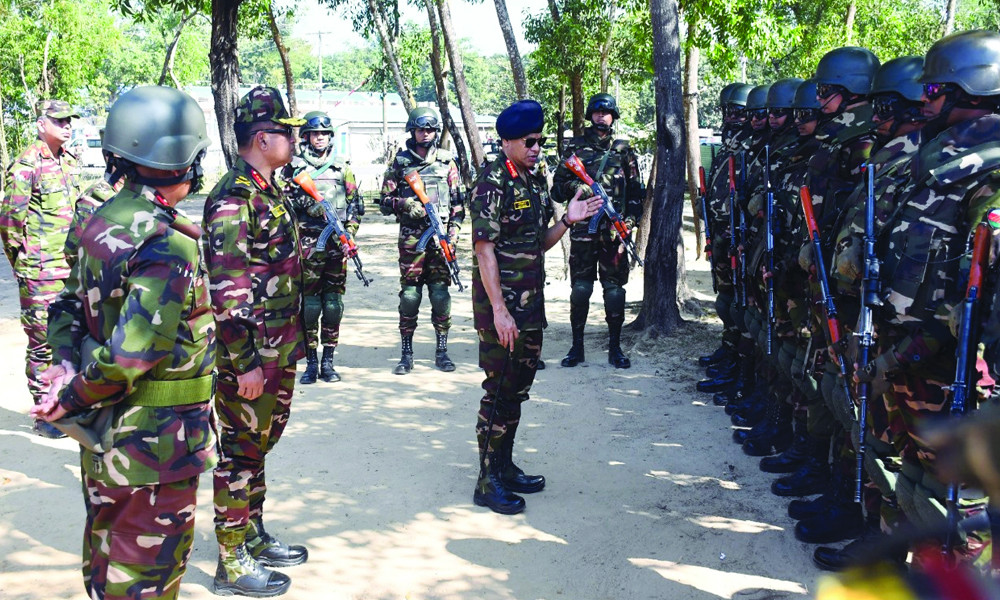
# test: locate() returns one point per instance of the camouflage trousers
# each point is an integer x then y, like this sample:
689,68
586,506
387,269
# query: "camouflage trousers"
415,270
248,430
35,298
602,256
508,379
137,539
324,277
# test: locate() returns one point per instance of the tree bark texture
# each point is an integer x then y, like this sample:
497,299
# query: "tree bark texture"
949,17
852,11
606,48
168,61
286,64
660,312
693,150
642,239
516,64
576,94
223,58
441,87
561,120
390,54
4,153
458,76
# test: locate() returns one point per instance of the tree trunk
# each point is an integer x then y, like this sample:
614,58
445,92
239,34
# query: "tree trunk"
168,61
949,17
606,49
691,119
561,120
285,63
223,58
458,76
516,65
44,84
642,240
554,11
441,87
4,154
576,92
852,11
390,55
664,265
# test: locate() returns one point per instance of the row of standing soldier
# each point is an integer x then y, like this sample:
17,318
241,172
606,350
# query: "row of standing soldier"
842,212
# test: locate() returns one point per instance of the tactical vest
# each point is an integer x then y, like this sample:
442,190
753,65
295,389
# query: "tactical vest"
328,173
434,173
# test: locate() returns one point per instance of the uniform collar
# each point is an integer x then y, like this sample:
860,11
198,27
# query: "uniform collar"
253,175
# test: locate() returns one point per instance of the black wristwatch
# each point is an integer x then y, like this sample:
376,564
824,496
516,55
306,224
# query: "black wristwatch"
566,222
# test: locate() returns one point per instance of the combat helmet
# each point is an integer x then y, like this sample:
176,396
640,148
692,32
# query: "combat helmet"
782,93
969,59
738,95
850,67
805,95
316,120
605,102
423,118
900,75
757,98
157,127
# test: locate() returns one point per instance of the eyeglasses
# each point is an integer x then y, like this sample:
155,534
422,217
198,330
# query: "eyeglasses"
825,90
287,132
805,115
933,91
779,112
758,113
733,110
530,142
323,122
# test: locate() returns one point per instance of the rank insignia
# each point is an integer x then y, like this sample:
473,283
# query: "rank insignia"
522,204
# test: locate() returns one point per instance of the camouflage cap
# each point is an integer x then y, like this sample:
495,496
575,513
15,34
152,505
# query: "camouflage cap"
57,109
264,104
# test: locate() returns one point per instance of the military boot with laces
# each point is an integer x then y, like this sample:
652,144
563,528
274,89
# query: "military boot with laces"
312,368
271,552
441,359
326,371
239,574
406,358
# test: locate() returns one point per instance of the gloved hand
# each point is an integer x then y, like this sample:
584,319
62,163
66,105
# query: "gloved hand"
315,210
411,208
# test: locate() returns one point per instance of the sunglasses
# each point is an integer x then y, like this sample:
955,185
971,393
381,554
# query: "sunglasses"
779,112
825,90
733,110
758,113
529,142
933,91
805,115
323,121
885,107
285,131
427,122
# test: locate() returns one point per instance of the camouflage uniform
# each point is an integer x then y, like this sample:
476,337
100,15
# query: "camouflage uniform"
513,214
256,285
140,291
612,163
86,205
440,176
324,273
34,219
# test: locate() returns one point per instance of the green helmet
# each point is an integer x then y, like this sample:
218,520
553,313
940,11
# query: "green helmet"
805,95
782,93
423,118
969,59
757,98
605,102
734,93
157,127
849,67
900,75
316,120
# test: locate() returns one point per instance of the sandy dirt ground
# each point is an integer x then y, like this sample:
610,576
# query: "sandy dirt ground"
647,496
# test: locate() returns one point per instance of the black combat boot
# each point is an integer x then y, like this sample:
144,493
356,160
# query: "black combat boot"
326,371
842,518
722,353
753,392
616,357
239,574
813,477
833,559
777,433
575,355
716,384
441,360
406,359
312,367
726,367
794,456
512,476
271,552
490,490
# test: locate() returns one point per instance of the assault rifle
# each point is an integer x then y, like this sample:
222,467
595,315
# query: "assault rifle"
965,364
743,230
871,290
732,221
704,218
769,247
607,209
436,229
333,225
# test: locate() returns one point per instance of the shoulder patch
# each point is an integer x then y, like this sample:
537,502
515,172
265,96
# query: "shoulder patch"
993,218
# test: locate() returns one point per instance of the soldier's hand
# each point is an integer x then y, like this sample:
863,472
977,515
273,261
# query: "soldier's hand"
505,326
414,209
579,209
345,249
316,210
251,384
57,376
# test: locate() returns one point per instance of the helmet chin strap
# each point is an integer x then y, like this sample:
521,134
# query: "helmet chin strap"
602,127
120,167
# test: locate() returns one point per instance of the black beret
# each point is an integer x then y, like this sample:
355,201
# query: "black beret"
520,119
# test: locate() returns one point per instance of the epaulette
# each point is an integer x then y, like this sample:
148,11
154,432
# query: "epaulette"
241,187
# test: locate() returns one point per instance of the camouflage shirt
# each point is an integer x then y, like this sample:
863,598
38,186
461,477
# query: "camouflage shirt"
255,273
512,210
89,201
619,177
440,176
140,291
335,181
35,215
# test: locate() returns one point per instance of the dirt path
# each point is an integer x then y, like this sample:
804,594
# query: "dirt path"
647,497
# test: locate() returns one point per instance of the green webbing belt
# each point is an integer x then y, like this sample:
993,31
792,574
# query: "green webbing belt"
172,392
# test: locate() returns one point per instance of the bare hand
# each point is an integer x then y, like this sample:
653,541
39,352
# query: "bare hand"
506,328
345,249
578,210
251,385
58,377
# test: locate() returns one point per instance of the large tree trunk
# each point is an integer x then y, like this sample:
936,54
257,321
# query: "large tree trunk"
561,120
45,83
576,93
168,61
606,49
458,76
691,119
642,240
285,63
223,59
949,17
664,256
516,65
390,54
441,87
852,11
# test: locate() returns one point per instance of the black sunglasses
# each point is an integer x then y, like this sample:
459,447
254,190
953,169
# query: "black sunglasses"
530,142
733,110
779,112
805,115
323,121
825,90
758,113
283,131
933,91
885,107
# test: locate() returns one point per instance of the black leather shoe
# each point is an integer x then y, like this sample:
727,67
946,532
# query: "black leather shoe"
788,461
833,559
716,385
575,355
812,478
841,522
241,575
617,358
405,365
807,509
721,353
755,395
540,366
727,367
490,491
271,552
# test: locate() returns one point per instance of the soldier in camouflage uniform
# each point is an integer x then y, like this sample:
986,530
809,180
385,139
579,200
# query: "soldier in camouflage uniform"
324,273
612,163
86,205
35,215
256,277
440,176
133,334
953,186
511,210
